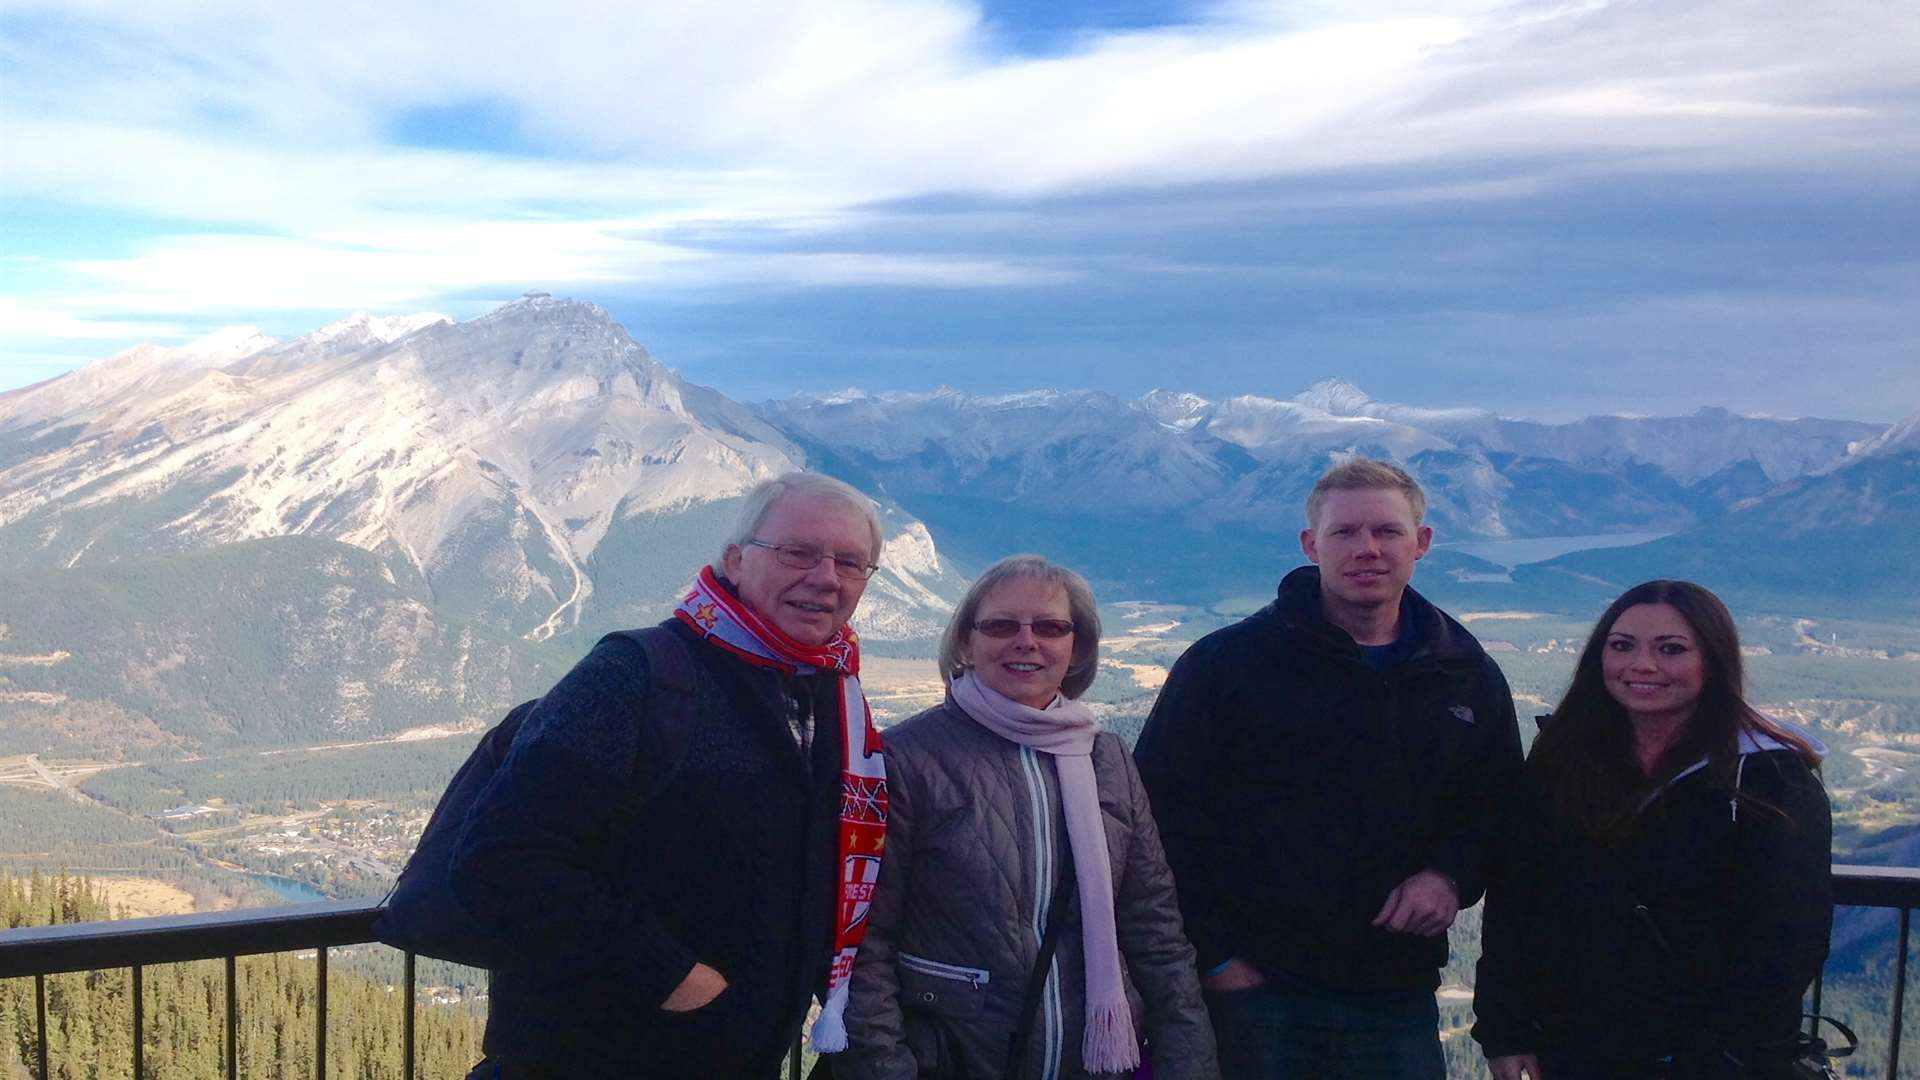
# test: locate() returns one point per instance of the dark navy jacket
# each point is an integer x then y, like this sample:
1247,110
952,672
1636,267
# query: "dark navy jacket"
612,859
1295,786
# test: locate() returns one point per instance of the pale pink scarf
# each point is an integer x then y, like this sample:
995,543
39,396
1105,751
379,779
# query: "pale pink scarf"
1066,729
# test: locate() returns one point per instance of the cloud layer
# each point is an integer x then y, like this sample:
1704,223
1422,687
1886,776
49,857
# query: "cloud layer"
285,161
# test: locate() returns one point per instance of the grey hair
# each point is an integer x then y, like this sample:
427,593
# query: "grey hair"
1366,474
1081,608
811,485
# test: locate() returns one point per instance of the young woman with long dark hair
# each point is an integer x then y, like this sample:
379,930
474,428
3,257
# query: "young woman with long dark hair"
1663,897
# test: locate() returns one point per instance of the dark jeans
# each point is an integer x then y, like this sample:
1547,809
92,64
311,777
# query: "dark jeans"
1293,1030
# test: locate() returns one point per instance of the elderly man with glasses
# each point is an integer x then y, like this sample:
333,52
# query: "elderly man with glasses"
680,847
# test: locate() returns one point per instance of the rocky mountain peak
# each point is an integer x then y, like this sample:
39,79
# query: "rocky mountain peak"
1337,397
1175,408
362,326
226,344
1902,436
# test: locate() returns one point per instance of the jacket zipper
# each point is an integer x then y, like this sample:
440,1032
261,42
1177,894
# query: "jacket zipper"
1051,1033
1653,928
977,977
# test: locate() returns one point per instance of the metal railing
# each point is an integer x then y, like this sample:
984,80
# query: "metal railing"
1896,887
171,939
38,952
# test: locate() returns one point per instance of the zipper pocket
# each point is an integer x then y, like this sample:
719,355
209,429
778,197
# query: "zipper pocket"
974,976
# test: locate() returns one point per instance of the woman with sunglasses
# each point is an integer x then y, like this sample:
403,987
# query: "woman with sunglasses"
1011,810
1664,897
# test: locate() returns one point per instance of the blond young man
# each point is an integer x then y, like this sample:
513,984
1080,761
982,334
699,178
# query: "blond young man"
1326,774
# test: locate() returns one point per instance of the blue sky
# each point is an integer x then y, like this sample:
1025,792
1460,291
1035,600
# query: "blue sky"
1551,209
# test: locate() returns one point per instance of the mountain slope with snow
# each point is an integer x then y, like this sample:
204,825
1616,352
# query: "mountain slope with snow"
1248,461
493,456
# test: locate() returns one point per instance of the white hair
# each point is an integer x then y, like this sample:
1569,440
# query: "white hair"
811,485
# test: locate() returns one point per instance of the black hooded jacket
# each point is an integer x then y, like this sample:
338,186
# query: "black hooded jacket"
1694,937
1295,786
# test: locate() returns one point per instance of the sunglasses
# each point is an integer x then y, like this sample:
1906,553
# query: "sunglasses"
1042,628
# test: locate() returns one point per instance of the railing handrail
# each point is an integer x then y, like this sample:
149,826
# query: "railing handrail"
1856,885
168,939
172,939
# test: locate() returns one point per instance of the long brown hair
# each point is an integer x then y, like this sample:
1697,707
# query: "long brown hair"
1584,756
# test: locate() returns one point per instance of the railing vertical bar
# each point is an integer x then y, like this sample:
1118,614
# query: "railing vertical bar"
406,1025
139,1026
233,1021
320,1016
1899,996
40,1014
793,1060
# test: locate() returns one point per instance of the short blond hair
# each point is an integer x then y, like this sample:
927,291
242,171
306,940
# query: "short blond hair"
1081,608
1366,474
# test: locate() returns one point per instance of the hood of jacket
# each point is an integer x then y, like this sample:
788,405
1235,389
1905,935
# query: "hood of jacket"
1296,610
1759,742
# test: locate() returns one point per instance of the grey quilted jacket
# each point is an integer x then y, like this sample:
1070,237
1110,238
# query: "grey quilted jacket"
974,832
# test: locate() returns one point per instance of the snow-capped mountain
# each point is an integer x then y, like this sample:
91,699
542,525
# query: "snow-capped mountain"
525,466
501,461
1294,430
357,331
397,521
1839,538
127,378
1901,437
1249,460
1689,448
1075,449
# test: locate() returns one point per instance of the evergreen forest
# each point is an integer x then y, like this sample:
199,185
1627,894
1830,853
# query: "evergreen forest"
90,1014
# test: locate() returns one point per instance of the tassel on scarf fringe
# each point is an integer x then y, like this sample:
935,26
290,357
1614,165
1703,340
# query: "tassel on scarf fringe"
1109,1045
830,1030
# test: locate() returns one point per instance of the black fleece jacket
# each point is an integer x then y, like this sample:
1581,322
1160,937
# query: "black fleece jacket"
1295,786
613,854
1697,935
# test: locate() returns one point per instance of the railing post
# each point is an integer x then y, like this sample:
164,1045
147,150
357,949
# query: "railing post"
320,1016
233,1022
1899,996
406,1025
139,1027
40,1016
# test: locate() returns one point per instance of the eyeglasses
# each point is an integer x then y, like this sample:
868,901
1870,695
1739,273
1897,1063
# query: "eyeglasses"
1042,628
802,557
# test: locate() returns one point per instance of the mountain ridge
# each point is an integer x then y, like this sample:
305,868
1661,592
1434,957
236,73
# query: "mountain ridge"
494,456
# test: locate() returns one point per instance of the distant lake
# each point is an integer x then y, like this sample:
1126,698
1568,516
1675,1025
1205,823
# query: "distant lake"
1512,553
293,892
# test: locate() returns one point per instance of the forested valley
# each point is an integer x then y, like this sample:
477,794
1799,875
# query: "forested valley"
90,1014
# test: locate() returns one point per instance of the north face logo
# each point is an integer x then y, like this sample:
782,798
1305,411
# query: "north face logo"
1462,713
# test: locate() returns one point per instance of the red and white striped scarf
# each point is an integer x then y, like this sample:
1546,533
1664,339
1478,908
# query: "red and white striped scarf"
722,619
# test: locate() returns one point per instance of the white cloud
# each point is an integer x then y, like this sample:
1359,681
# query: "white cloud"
280,107
275,117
